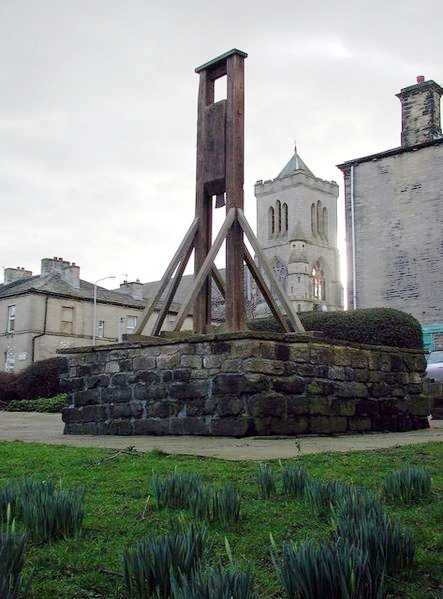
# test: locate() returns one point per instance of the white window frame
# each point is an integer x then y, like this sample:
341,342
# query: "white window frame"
101,329
11,319
131,323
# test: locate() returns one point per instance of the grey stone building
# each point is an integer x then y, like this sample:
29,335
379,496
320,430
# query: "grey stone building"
394,217
297,230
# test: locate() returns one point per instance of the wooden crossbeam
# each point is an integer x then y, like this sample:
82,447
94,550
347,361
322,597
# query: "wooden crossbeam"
205,269
269,272
182,251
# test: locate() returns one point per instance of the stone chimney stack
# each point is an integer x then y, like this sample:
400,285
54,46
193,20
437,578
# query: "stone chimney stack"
420,112
69,273
134,289
14,274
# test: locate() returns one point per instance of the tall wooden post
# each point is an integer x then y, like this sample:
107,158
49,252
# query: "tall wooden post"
220,171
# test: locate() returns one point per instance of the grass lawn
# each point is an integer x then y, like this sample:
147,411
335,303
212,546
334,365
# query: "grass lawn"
118,514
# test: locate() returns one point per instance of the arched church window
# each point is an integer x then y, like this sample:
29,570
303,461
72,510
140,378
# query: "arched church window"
278,215
285,218
271,222
281,272
325,222
319,218
318,282
313,219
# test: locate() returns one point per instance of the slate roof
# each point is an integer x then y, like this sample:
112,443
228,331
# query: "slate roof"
295,165
53,284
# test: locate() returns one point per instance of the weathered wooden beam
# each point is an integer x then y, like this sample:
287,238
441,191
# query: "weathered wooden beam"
202,276
171,292
261,284
269,273
188,241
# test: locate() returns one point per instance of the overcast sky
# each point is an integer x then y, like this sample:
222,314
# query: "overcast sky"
98,108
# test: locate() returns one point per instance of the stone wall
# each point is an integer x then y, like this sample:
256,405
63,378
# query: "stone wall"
243,384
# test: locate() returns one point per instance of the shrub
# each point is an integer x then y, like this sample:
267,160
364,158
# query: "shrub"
376,326
47,511
41,379
407,484
336,570
266,481
8,390
390,548
324,495
294,480
176,490
12,557
217,582
150,566
42,404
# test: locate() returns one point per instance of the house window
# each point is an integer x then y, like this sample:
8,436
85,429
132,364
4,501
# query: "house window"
11,319
101,328
281,272
67,320
325,222
131,324
313,219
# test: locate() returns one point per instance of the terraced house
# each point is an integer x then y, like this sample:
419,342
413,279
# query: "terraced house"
56,309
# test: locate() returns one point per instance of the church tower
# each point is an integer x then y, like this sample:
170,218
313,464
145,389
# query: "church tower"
297,229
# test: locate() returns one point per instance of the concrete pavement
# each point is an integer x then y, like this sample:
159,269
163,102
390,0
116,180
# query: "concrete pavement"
33,427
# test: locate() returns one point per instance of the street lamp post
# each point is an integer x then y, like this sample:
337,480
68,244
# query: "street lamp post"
94,311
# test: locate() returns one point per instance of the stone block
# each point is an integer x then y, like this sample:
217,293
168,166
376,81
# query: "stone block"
191,361
88,397
70,385
234,383
321,354
359,424
120,427
144,363
296,406
321,405
116,394
195,407
266,404
359,359
264,366
230,427
319,387
342,356
326,425
119,380
182,375
168,361
147,376
367,407
350,389
151,426
420,405
193,389
118,354
112,367
99,380
220,347
229,406
294,385
232,365
297,425
188,426
336,373
213,361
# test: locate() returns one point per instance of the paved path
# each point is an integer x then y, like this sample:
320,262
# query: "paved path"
48,428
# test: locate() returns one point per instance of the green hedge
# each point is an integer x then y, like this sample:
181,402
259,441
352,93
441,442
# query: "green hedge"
46,404
376,326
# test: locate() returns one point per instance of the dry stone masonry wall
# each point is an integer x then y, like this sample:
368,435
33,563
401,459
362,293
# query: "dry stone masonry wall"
243,384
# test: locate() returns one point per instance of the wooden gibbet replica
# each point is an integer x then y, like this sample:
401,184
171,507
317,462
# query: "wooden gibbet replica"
220,178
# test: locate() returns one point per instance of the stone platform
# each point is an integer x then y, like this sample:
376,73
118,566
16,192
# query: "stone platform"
243,384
